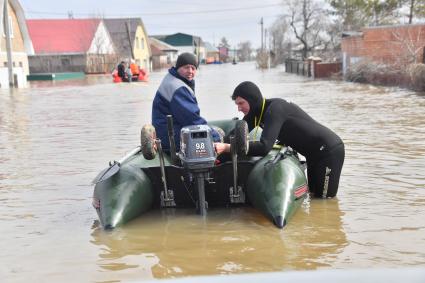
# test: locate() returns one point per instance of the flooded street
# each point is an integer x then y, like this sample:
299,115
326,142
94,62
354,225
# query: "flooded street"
56,137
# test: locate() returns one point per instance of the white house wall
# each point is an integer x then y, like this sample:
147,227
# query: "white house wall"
102,42
20,55
183,49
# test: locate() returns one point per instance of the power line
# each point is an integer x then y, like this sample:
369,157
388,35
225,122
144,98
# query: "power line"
165,13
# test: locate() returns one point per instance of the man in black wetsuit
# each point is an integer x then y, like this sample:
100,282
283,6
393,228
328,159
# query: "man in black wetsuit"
287,124
122,73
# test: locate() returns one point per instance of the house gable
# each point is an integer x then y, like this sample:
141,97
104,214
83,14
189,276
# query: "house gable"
19,25
124,31
130,39
21,45
102,42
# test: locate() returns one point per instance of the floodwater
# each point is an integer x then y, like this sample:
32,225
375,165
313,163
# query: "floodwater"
56,137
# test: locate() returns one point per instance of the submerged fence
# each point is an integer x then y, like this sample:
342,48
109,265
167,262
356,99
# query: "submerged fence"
312,68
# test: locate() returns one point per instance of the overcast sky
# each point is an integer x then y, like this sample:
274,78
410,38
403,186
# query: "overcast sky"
237,20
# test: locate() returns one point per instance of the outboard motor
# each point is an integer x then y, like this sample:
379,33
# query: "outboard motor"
198,156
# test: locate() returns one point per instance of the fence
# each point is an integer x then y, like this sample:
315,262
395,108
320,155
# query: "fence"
312,68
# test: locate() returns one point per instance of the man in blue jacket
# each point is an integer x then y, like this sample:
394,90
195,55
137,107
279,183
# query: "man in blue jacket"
176,97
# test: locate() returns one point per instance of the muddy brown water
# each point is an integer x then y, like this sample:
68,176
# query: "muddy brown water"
56,137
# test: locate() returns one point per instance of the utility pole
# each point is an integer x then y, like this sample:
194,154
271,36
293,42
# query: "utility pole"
199,52
8,43
128,28
261,23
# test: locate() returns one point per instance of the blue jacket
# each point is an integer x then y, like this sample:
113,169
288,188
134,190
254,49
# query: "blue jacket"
176,97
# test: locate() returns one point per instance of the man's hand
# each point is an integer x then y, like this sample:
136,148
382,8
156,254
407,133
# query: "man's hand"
221,147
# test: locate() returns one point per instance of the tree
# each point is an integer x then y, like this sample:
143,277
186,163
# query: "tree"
223,47
415,8
308,21
356,14
280,41
409,42
244,51
351,13
381,12
224,43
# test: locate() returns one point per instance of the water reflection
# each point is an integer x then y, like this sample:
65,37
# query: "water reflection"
54,138
176,243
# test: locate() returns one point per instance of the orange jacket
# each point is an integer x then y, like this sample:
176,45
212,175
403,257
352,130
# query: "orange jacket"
134,69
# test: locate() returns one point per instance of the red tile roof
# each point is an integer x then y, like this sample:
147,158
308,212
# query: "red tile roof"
62,35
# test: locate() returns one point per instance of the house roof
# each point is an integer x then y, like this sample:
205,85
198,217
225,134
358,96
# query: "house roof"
210,48
120,34
182,39
161,45
62,35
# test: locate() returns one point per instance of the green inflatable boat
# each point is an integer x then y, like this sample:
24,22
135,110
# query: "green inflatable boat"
147,178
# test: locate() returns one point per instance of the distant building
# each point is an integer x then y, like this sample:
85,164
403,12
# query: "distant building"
163,54
223,53
21,45
185,43
392,45
131,40
212,53
71,45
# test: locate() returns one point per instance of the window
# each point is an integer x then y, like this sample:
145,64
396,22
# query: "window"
137,43
20,64
142,42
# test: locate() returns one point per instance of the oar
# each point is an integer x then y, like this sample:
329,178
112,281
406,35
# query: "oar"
114,168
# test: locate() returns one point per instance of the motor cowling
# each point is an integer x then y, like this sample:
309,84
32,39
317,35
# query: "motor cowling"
197,147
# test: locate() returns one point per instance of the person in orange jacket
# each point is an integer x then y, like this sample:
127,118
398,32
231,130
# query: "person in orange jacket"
134,68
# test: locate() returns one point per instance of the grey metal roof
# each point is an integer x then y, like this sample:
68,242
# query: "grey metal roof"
118,30
162,45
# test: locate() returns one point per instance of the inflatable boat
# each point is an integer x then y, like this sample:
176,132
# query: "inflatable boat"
141,77
148,178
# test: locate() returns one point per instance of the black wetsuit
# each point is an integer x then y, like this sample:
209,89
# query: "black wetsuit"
289,125
121,73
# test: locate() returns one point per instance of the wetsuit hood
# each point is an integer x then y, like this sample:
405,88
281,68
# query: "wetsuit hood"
251,93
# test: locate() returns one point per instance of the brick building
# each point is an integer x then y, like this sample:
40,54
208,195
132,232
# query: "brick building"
391,45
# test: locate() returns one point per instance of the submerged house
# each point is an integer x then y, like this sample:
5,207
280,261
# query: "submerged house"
163,54
212,54
185,43
391,45
131,40
71,45
20,45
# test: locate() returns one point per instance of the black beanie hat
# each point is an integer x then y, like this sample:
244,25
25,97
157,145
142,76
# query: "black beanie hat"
185,59
251,93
